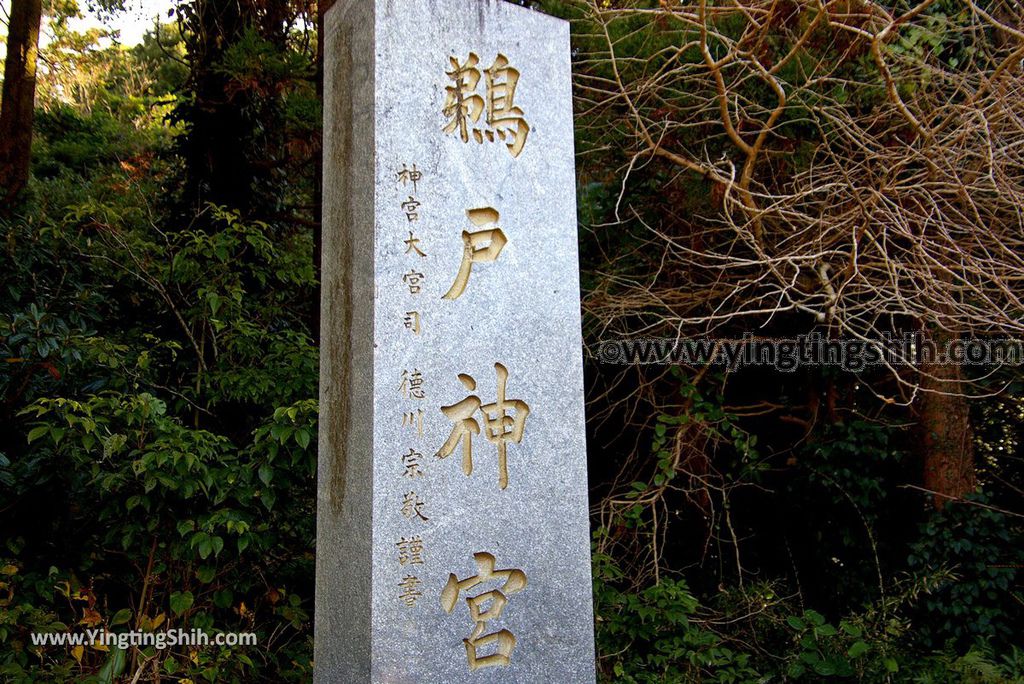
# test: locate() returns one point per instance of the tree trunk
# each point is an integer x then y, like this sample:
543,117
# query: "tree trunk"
19,94
218,166
234,144
947,444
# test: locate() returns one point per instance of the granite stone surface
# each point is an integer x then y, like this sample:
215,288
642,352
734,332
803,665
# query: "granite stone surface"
450,316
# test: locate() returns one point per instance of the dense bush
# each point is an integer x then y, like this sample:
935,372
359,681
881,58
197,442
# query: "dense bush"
159,426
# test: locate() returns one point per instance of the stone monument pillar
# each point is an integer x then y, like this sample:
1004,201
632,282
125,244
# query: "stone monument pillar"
453,542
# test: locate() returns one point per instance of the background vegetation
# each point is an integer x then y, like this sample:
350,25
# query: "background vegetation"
848,168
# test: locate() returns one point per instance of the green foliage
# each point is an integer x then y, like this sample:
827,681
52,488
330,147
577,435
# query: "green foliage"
71,141
850,650
838,500
984,552
664,633
841,497
160,56
652,635
979,665
157,376
253,62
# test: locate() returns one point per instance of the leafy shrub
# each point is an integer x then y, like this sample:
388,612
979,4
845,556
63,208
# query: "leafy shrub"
984,551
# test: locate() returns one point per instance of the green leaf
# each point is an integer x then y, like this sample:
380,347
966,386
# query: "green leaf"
214,300
825,630
302,438
223,598
814,617
121,617
181,601
858,649
266,474
37,432
824,668
281,432
852,630
206,573
114,666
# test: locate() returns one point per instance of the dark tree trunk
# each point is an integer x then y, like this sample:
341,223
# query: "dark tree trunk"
946,436
19,94
234,148
218,168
